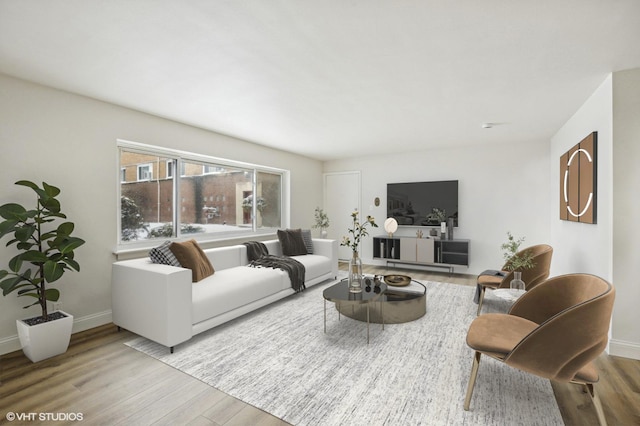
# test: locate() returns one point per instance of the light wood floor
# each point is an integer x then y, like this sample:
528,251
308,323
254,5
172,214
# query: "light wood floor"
110,383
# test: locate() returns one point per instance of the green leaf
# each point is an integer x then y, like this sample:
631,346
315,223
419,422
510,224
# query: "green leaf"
48,235
66,228
32,213
15,264
7,226
31,295
25,290
51,190
34,256
25,232
70,245
73,264
3,274
25,245
51,204
53,271
10,284
52,294
28,183
13,211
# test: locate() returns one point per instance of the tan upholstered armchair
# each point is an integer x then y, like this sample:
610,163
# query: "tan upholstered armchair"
554,331
532,277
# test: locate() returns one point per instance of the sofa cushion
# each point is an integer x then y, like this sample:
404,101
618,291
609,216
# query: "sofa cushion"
314,265
234,287
163,255
291,242
308,240
191,256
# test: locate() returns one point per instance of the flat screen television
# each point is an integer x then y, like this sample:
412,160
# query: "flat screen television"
410,202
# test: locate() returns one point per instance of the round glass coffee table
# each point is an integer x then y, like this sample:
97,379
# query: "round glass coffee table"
347,302
384,304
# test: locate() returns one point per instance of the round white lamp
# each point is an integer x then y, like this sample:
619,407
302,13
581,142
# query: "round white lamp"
391,226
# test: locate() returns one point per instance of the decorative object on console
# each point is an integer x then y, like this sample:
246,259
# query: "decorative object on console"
578,181
443,230
321,221
49,250
391,226
419,233
450,228
357,231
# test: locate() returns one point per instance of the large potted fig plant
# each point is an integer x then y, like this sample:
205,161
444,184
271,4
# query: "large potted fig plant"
46,249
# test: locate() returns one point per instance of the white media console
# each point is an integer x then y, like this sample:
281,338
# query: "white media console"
422,251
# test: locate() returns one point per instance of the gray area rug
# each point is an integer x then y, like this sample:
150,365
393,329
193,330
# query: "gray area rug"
279,360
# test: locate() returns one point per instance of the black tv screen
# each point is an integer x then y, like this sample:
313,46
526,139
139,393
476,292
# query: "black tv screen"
411,202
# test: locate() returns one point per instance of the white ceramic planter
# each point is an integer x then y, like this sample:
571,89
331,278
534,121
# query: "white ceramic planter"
45,340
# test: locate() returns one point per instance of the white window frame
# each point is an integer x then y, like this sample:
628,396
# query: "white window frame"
183,156
141,167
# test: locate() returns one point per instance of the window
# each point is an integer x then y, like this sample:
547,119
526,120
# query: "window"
145,172
208,169
211,197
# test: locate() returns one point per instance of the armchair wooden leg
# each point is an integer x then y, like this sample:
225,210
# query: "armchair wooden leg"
480,299
591,390
472,380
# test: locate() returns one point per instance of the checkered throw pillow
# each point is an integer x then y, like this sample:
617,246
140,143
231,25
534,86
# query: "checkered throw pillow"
162,254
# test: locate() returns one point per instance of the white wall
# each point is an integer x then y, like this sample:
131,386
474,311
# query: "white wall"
70,141
580,247
501,188
608,249
626,206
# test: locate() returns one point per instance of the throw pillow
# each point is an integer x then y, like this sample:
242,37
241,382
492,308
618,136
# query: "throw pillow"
163,254
291,242
308,240
191,256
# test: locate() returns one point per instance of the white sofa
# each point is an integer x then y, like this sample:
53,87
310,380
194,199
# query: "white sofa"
161,303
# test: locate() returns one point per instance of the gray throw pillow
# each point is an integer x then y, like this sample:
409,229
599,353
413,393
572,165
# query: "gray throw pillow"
308,241
292,242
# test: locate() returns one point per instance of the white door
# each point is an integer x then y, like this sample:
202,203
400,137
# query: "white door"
341,198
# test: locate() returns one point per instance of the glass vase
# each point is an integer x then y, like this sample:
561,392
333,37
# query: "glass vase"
355,273
516,282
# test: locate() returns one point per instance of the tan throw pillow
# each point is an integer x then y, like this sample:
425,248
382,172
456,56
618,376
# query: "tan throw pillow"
191,256
291,242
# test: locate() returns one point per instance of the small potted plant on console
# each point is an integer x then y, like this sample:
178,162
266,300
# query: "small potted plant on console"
46,249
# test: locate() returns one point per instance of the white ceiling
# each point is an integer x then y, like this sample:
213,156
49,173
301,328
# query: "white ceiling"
331,78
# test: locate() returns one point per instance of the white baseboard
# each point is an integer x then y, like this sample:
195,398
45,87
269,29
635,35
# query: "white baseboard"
624,349
12,343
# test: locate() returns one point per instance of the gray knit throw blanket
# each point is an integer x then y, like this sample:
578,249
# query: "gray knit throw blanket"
259,256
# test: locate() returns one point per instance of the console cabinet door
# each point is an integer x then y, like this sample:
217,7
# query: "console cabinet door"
425,250
408,249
